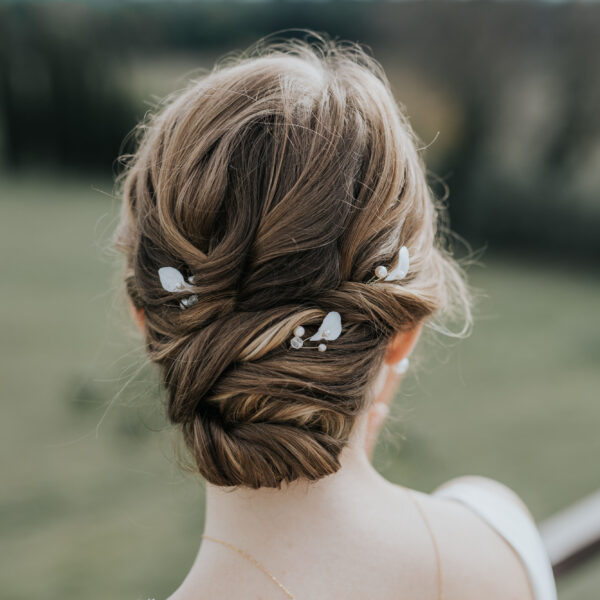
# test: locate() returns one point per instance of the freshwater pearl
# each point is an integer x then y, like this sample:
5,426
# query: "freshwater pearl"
296,342
322,347
381,271
299,331
190,301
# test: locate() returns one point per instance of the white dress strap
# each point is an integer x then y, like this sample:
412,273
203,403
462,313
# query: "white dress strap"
514,525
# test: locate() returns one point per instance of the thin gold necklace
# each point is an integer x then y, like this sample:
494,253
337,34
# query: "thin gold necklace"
436,549
290,595
255,562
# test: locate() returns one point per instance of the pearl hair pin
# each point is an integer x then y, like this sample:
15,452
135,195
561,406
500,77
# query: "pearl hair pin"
172,280
399,271
330,329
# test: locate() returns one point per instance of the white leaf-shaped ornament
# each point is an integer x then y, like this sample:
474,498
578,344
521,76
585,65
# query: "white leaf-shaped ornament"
172,280
331,327
401,269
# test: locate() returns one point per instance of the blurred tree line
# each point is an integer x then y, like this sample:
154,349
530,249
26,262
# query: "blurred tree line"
519,151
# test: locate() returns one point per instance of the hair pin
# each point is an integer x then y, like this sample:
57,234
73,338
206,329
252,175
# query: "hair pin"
399,271
330,329
172,280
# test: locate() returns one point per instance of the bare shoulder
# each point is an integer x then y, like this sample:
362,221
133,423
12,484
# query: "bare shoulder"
477,562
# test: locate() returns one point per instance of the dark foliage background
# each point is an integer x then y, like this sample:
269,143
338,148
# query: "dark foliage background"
513,92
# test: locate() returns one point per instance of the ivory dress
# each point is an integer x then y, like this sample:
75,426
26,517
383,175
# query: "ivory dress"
514,525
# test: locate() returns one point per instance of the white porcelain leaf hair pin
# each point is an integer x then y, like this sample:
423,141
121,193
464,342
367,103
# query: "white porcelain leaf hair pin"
330,329
399,271
172,280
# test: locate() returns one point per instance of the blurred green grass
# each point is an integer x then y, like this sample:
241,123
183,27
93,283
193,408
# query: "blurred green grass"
92,502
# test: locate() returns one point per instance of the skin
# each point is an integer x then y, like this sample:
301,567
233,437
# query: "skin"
354,523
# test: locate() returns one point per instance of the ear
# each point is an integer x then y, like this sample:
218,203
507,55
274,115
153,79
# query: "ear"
401,345
139,316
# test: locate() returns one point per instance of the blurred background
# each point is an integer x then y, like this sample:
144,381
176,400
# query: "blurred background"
505,98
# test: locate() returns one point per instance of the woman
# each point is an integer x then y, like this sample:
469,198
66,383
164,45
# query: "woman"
283,253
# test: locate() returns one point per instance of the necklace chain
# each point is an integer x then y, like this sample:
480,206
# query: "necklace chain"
436,549
255,562
290,595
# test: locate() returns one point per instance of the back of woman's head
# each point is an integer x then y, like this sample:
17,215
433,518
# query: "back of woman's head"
279,181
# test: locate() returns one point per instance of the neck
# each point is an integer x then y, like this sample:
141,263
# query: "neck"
301,511
248,515
245,515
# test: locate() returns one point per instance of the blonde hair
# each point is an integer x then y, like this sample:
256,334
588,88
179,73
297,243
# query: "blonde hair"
280,180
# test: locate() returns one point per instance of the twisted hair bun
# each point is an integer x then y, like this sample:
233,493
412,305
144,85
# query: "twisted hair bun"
278,181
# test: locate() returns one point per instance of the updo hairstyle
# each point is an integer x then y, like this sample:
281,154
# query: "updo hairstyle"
279,181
